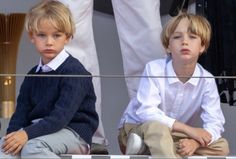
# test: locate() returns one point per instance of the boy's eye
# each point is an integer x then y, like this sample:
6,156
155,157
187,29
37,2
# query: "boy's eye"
57,35
193,36
41,35
176,37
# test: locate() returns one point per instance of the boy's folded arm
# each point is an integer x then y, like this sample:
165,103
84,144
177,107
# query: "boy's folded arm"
199,134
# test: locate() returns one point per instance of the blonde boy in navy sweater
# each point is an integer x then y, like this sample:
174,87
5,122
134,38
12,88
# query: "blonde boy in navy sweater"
54,115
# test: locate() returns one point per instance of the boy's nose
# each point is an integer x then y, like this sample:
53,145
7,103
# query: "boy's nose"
184,42
49,41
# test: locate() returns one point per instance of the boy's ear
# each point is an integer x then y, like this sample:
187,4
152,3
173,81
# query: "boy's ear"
68,38
168,49
30,34
202,49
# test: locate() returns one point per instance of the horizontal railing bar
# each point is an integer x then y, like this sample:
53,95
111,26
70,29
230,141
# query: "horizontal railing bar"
112,76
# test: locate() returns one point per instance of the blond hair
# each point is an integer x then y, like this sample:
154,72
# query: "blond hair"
53,11
198,25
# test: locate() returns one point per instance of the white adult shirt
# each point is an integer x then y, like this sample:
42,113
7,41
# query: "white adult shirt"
168,99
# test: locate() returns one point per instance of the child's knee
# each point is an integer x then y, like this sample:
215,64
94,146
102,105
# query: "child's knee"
32,147
225,150
224,147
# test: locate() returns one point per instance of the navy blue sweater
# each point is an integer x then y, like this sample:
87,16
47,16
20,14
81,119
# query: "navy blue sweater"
60,101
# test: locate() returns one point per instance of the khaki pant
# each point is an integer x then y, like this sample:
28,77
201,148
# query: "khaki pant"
162,142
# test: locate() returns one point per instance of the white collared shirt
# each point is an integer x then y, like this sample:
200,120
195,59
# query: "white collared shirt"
54,64
167,100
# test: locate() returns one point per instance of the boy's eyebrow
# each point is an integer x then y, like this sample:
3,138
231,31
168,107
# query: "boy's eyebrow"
177,32
56,32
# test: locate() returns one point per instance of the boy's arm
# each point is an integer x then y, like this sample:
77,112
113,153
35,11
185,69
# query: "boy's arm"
198,134
15,139
19,118
212,115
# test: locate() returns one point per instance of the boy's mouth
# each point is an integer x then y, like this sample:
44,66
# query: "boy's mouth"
184,50
49,51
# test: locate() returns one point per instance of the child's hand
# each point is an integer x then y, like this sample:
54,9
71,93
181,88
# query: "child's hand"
186,147
14,142
200,135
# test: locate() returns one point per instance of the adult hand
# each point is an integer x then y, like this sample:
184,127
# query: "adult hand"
14,142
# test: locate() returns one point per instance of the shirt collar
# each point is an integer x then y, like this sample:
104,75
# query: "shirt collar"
196,76
54,63
171,73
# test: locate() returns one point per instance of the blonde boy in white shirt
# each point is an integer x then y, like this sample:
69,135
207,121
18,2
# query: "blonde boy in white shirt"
165,113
